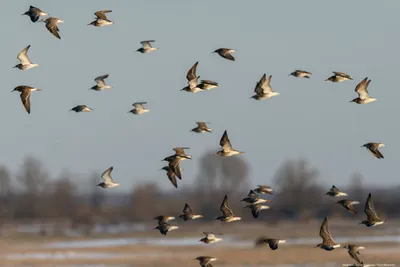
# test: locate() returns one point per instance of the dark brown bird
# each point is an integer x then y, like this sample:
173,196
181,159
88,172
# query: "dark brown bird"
171,175
163,219
353,251
26,95
362,91
348,205
226,53
188,214
51,25
327,241
205,261
272,242
34,13
227,213
374,149
372,217
101,19
81,108
164,228
339,77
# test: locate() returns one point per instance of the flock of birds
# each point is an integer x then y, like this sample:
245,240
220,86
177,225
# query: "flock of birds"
263,90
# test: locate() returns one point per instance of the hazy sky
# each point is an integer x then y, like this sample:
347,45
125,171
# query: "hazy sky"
311,118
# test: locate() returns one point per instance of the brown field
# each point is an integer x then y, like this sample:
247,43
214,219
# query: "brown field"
244,255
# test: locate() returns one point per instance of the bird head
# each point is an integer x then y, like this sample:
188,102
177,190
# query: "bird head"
319,245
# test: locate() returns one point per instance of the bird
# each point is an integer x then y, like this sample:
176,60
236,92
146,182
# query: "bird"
353,251
227,214
256,208
327,241
26,63
301,74
173,165
179,154
146,47
164,228
253,198
51,25
372,217
34,13
207,85
263,189
226,53
163,219
139,108
227,149
348,205
201,127
25,95
205,261
188,214
362,91
100,84
171,175
108,180
192,80
272,242
339,77
210,238
335,192
101,19
263,89
81,108
373,148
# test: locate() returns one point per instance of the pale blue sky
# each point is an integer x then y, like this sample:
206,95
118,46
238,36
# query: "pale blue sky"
310,118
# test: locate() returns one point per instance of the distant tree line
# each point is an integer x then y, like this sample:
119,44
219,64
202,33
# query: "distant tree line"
33,196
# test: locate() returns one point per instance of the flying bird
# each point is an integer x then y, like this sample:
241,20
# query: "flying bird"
146,47
192,80
227,149
373,148
327,241
34,13
179,154
210,238
164,228
256,208
100,84
101,19
348,205
362,91
51,25
301,74
273,243
263,189
139,108
227,214
188,214
205,261
226,53
171,175
201,127
339,77
253,198
263,89
372,217
163,219
335,192
108,180
26,95
26,63
81,108
353,251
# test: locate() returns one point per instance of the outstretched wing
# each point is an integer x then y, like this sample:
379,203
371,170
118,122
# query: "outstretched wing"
146,44
107,176
187,209
192,72
370,210
101,14
324,232
226,210
362,88
26,99
23,57
225,143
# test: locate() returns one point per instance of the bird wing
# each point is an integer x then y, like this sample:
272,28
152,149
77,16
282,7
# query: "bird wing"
303,71
266,87
255,211
252,194
201,124
227,54
139,105
258,89
334,189
370,210
350,206
273,243
172,178
101,14
225,143
192,72
209,82
180,150
52,27
374,150
187,209
362,88
210,235
23,57
107,176
226,210
26,99
324,232
100,80
146,44
353,253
